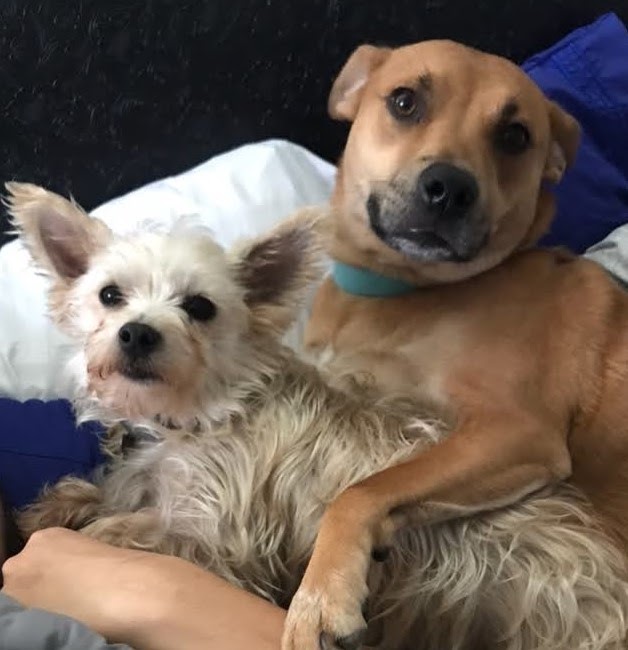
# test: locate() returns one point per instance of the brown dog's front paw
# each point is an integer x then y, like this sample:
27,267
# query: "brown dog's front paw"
328,610
352,642
326,621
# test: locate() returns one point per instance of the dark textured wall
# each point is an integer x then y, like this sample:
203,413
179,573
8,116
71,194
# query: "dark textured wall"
100,96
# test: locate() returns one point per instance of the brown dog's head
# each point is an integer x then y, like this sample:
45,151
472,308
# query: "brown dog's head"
445,167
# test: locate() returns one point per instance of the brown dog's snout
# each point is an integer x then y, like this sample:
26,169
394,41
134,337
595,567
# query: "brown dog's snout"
435,217
447,191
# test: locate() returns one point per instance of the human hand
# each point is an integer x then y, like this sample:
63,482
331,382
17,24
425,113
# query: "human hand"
65,572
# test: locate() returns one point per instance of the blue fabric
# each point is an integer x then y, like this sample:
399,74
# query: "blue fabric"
40,443
587,74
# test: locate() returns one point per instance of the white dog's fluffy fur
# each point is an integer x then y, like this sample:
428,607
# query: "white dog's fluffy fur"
246,444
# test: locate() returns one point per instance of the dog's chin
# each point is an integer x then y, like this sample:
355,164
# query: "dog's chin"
430,247
131,392
138,374
427,246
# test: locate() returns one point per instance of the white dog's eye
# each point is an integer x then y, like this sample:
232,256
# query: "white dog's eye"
199,308
110,295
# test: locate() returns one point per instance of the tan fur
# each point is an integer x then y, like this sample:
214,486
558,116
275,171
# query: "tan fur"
240,484
526,350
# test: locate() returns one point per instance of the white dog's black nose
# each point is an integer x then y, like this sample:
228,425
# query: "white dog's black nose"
447,190
138,339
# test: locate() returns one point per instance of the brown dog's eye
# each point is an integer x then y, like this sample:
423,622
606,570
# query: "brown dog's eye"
403,103
110,296
199,308
513,138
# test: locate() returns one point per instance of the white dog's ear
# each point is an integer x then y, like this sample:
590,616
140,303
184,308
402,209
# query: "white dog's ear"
59,235
346,93
277,269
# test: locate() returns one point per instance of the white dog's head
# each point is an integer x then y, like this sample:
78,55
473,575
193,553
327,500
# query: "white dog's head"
164,322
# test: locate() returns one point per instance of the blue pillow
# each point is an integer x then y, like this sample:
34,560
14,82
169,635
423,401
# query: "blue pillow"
40,443
587,74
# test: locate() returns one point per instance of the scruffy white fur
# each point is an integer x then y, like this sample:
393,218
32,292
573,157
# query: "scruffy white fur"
245,445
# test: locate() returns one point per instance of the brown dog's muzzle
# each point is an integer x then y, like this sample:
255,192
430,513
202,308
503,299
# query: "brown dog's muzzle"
435,218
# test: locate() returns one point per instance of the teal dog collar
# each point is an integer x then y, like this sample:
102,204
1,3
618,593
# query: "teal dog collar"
362,282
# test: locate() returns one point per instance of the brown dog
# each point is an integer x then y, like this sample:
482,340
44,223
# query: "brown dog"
443,187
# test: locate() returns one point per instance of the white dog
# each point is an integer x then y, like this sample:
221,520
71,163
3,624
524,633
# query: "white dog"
245,445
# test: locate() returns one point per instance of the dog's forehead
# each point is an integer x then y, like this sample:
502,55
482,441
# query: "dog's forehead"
448,69
181,263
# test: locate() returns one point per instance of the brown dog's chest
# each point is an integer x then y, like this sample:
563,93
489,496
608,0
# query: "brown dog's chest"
400,351
510,334
537,335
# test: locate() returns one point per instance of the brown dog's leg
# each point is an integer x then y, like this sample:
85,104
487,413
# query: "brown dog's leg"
70,503
488,462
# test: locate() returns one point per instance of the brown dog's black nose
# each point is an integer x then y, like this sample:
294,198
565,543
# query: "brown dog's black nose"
447,190
138,339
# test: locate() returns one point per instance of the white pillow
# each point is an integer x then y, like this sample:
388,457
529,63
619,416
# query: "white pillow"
238,194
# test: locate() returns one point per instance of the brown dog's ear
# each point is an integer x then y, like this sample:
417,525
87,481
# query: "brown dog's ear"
277,269
565,139
346,92
59,235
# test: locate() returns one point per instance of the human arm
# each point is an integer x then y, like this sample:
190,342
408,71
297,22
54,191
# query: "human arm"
150,602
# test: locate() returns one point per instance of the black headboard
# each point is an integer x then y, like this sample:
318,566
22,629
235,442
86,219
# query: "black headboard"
100,96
